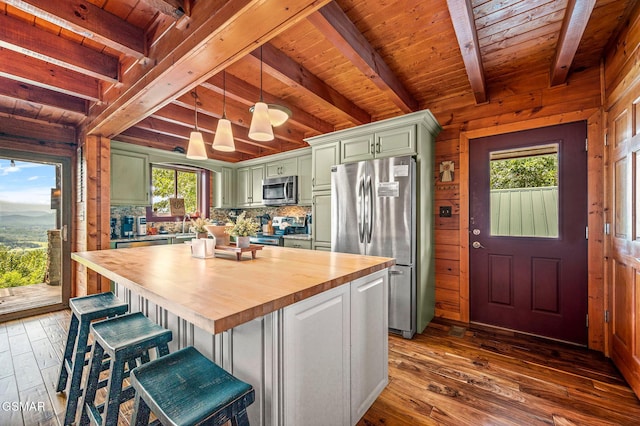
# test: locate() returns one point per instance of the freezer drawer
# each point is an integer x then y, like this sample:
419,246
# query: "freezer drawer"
402,296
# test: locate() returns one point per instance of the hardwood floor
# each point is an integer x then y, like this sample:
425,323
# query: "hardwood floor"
451,375
448,375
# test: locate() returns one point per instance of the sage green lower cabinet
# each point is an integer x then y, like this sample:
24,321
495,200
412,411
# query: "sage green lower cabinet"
321,361
336,353
321,224
130,177
301,244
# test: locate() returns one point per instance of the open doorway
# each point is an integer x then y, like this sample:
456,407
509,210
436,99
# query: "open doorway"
34,246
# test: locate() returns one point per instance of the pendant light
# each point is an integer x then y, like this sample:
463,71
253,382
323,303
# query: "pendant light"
196,149
278,114
260,129
223,139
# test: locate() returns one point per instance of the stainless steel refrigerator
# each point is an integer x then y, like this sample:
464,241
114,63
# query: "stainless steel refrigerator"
373,209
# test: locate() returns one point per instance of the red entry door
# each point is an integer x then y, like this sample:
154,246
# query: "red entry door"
528,247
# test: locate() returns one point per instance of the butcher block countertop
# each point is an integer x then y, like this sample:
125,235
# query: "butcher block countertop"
219,293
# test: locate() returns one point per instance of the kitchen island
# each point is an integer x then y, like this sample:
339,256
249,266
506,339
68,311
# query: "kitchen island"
307,329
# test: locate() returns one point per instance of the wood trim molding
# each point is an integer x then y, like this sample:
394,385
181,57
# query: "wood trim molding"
594,117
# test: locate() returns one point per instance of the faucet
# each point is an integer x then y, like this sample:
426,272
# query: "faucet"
186,216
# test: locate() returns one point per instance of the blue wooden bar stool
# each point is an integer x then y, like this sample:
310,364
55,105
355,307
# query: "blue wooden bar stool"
84,309
125,339
186,388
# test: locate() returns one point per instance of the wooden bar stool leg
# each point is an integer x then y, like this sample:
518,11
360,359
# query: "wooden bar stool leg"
79,356
92,380
141,412
114,389
241,419
72,336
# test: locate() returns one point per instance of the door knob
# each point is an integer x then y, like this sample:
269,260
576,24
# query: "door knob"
477,245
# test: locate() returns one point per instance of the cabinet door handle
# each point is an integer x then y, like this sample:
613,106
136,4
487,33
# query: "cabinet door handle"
378,147
372,148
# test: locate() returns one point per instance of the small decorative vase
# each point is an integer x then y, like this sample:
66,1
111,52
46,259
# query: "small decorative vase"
242,242
202,235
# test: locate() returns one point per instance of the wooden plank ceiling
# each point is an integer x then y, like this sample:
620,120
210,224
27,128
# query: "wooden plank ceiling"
128,69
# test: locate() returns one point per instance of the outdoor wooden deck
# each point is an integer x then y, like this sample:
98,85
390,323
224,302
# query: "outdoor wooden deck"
14,299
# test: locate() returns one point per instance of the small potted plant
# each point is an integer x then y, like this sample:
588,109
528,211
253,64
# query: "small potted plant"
199,227
243,229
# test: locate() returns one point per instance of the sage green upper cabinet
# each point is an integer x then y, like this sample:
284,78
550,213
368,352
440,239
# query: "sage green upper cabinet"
224,189
385,143
323,158
249,186
304,179
288,167
395,142
358,148
130,177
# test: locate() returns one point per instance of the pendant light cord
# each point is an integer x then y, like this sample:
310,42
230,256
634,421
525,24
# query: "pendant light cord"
261,74
195,104
224,94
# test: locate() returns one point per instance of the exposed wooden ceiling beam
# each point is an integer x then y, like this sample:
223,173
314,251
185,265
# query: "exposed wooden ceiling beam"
30,93
247,94
144,137
184,117
173,8
464,26
87,20
285,69
336,26
23,38
12,127
28,69
575,22
218,35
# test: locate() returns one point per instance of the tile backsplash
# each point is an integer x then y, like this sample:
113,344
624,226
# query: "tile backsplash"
222,215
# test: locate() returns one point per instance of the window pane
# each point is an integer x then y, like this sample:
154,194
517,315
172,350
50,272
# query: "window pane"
187,189
524,192
163,184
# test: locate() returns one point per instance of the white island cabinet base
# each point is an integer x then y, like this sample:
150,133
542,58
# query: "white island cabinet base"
320,361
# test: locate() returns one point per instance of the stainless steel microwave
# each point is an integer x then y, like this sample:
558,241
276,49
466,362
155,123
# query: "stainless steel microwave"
280,191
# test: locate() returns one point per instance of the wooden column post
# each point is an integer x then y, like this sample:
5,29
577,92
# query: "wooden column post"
93,210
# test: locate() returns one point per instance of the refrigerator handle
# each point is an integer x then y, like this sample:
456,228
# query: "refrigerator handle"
361,201
370,194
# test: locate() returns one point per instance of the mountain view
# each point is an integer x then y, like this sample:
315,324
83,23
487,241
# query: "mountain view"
25,218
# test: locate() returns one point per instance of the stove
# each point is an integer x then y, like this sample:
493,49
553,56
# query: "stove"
267,240
282,225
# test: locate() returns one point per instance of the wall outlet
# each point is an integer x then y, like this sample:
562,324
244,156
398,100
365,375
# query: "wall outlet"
445,211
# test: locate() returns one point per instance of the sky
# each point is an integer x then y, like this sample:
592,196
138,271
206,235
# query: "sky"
25,187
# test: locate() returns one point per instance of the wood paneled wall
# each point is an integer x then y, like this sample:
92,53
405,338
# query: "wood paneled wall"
530,104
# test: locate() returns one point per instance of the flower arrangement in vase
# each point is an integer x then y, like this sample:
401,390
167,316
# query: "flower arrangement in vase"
199,226
243,229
